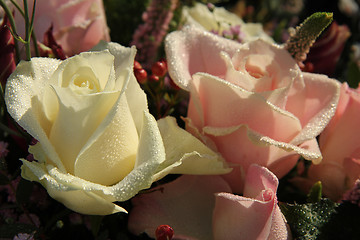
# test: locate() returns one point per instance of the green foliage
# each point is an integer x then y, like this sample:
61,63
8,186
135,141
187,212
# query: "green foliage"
123,17
306,220
315,24
315,193
353,74
306,33
322,220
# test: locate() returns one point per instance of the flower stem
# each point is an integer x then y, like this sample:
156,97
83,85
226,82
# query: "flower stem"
27,31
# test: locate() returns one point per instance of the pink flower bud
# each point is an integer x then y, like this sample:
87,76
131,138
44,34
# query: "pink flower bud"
326,51
7,51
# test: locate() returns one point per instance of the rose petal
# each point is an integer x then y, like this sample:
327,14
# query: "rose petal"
98,64
333,175
237,217
352,169
318,105
150,155
346,131
258,179
124,56
257,148
265,60
91,113
77,200
110,153
284,125
193,57
345,94
185,204
198,159
137,101
28,81
255,215
151,145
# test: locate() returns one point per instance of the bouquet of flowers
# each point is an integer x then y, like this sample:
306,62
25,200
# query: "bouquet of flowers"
179,119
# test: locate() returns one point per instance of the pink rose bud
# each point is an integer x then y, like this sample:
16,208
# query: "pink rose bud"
49,41
7,53
326,51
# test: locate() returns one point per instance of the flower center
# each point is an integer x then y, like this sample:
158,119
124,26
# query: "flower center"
256,65
83,84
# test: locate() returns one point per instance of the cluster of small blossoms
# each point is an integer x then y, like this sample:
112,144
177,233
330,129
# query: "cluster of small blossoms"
149,36
234,33
353,195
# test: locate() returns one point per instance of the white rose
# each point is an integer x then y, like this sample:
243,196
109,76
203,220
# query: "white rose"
98,143
221,19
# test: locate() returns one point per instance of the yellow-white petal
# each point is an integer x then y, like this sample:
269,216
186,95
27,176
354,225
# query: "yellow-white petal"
185,154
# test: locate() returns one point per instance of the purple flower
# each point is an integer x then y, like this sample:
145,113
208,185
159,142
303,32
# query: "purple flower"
353,195
24,236
3,149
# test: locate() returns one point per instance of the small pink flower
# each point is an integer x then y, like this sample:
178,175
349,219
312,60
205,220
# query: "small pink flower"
149,36
202,207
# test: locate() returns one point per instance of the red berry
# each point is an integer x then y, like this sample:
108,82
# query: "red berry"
141,75
159,68
137,65
164,232
153,78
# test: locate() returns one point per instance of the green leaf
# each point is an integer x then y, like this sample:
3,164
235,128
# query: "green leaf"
315,193
323,220
353,74
306,220
306,33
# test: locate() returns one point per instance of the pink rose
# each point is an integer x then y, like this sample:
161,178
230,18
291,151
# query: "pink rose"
78,24
326,51
202,207
340,147
250,102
